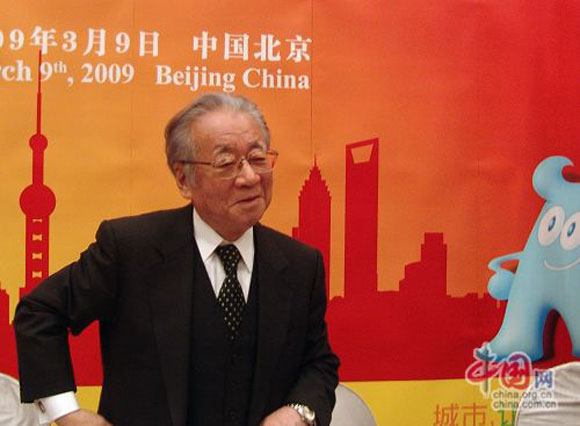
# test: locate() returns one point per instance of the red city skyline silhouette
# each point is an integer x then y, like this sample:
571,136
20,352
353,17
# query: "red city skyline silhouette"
416,332
419,331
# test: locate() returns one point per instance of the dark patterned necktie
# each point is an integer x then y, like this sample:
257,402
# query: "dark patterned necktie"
231,298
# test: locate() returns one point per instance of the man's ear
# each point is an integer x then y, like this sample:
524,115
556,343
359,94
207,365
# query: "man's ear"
182,180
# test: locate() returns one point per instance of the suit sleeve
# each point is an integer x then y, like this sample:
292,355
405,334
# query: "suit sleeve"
318,376
67,301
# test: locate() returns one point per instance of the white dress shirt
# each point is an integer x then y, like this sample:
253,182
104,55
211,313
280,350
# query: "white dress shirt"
207,240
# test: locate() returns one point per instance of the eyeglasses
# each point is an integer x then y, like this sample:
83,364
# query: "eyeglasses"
228,166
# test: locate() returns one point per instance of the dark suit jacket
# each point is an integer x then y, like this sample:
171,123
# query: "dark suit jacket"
136,279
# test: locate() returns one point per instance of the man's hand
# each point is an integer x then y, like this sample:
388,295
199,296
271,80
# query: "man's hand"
284,416
82,417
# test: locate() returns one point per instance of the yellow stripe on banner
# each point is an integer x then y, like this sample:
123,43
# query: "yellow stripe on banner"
88,397
431,402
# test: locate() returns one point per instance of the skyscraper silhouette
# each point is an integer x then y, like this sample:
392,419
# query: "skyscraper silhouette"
314,217
427,278
361,218
8,349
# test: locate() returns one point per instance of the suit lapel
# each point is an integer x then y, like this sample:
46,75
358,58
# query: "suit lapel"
273,316
170,291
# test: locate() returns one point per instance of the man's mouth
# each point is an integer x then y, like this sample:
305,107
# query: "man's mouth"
248,199
561,267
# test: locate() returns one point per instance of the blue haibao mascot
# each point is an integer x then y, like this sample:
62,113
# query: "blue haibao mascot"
548,273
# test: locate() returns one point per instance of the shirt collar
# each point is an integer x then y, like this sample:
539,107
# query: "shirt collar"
208,240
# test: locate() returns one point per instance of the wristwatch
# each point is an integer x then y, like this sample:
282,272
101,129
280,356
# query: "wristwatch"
306,413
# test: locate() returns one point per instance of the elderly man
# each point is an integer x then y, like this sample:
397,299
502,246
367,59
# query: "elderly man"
206,316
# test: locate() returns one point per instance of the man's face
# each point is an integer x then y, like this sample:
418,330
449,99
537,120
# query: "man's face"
229,206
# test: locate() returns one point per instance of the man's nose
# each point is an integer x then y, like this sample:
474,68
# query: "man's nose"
247,175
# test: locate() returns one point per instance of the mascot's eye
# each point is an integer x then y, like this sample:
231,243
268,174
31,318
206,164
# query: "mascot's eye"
551,225
570,237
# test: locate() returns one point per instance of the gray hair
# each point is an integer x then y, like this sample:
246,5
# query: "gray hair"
180,143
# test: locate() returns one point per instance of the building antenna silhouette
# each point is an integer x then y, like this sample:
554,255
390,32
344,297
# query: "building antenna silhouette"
39,96
37,202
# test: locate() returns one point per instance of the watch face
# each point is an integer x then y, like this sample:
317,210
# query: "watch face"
305,412
308,414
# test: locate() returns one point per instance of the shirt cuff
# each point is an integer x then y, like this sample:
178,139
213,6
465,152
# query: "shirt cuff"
55,406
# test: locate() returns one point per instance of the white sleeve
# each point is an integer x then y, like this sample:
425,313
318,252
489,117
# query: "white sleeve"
55,406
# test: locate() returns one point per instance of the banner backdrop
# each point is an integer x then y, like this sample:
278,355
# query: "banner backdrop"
408,132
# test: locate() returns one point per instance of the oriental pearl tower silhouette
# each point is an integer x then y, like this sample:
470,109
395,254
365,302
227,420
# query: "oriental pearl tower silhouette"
37,202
